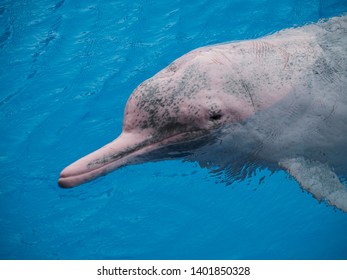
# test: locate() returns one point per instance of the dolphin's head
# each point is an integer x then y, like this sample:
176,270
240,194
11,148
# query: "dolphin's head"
183,103
173,104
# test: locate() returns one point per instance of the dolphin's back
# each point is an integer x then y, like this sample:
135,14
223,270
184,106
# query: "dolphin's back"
313,116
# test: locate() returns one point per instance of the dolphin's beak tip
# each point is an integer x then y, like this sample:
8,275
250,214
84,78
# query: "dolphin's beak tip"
63,183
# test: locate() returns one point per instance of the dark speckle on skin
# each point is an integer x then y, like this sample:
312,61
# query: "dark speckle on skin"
172,67
162,99
248,89
326,71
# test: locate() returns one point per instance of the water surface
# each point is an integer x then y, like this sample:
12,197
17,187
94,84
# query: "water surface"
67,69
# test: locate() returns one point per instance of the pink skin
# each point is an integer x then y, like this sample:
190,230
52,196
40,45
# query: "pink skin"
198,93
153,100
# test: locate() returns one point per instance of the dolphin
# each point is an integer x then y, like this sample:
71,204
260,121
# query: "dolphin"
277,102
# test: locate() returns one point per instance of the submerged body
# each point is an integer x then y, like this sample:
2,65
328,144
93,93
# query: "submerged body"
275,102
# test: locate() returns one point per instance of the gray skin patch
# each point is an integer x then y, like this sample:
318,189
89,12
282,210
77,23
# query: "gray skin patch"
158,102
327,72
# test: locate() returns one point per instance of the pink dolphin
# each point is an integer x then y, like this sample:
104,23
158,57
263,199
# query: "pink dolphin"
278,101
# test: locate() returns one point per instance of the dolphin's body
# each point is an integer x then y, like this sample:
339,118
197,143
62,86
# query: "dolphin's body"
278,102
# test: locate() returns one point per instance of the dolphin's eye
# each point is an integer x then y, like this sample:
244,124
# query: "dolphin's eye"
215,116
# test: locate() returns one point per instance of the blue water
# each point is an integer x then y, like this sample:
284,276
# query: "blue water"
67,69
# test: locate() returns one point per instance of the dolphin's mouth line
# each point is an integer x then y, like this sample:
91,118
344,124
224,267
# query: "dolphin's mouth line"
133,151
